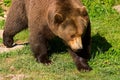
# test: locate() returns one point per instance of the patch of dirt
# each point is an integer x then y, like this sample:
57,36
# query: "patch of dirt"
3,48
1,78
1,33
117,8
14,77
2,18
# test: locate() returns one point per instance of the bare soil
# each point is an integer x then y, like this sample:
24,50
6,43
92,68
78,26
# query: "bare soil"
117,8
5,49
14,77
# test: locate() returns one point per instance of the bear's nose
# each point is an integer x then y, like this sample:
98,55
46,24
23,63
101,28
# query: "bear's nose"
76,44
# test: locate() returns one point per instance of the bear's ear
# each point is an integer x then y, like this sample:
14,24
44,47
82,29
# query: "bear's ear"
58,18
83,11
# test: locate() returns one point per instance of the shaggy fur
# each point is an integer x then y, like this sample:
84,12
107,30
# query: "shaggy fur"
67,19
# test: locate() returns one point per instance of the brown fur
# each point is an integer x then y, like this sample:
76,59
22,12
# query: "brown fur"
67,19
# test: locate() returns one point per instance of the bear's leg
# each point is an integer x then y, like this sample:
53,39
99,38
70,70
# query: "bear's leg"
86,41
80,62
38,46
10,31
16,21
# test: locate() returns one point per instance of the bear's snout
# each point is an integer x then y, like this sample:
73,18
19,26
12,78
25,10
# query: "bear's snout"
76,44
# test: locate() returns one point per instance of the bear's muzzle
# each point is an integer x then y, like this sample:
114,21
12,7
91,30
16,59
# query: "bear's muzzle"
76,44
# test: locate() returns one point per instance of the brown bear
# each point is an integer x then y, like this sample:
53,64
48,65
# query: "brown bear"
45,19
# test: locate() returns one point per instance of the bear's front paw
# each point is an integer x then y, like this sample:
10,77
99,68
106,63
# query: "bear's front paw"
8,41
82,64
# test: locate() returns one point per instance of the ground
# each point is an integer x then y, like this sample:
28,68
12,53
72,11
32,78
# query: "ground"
117,8
105,66
4,49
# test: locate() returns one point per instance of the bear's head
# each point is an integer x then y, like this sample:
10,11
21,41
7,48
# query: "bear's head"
69,23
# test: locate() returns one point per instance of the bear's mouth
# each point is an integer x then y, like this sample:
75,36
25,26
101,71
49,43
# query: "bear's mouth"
76,44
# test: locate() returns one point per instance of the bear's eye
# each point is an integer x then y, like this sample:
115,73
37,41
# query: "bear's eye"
58,18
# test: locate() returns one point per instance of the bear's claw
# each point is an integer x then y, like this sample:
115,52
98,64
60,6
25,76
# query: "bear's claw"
82,64
44,61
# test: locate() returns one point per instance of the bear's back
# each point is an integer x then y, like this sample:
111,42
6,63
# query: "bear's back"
41,6
37,8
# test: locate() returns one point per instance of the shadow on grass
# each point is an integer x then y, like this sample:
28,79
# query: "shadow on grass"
99,45
56,45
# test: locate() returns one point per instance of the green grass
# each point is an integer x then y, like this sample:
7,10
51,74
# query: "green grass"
2,24
20,38
105,50
7,2
1,11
